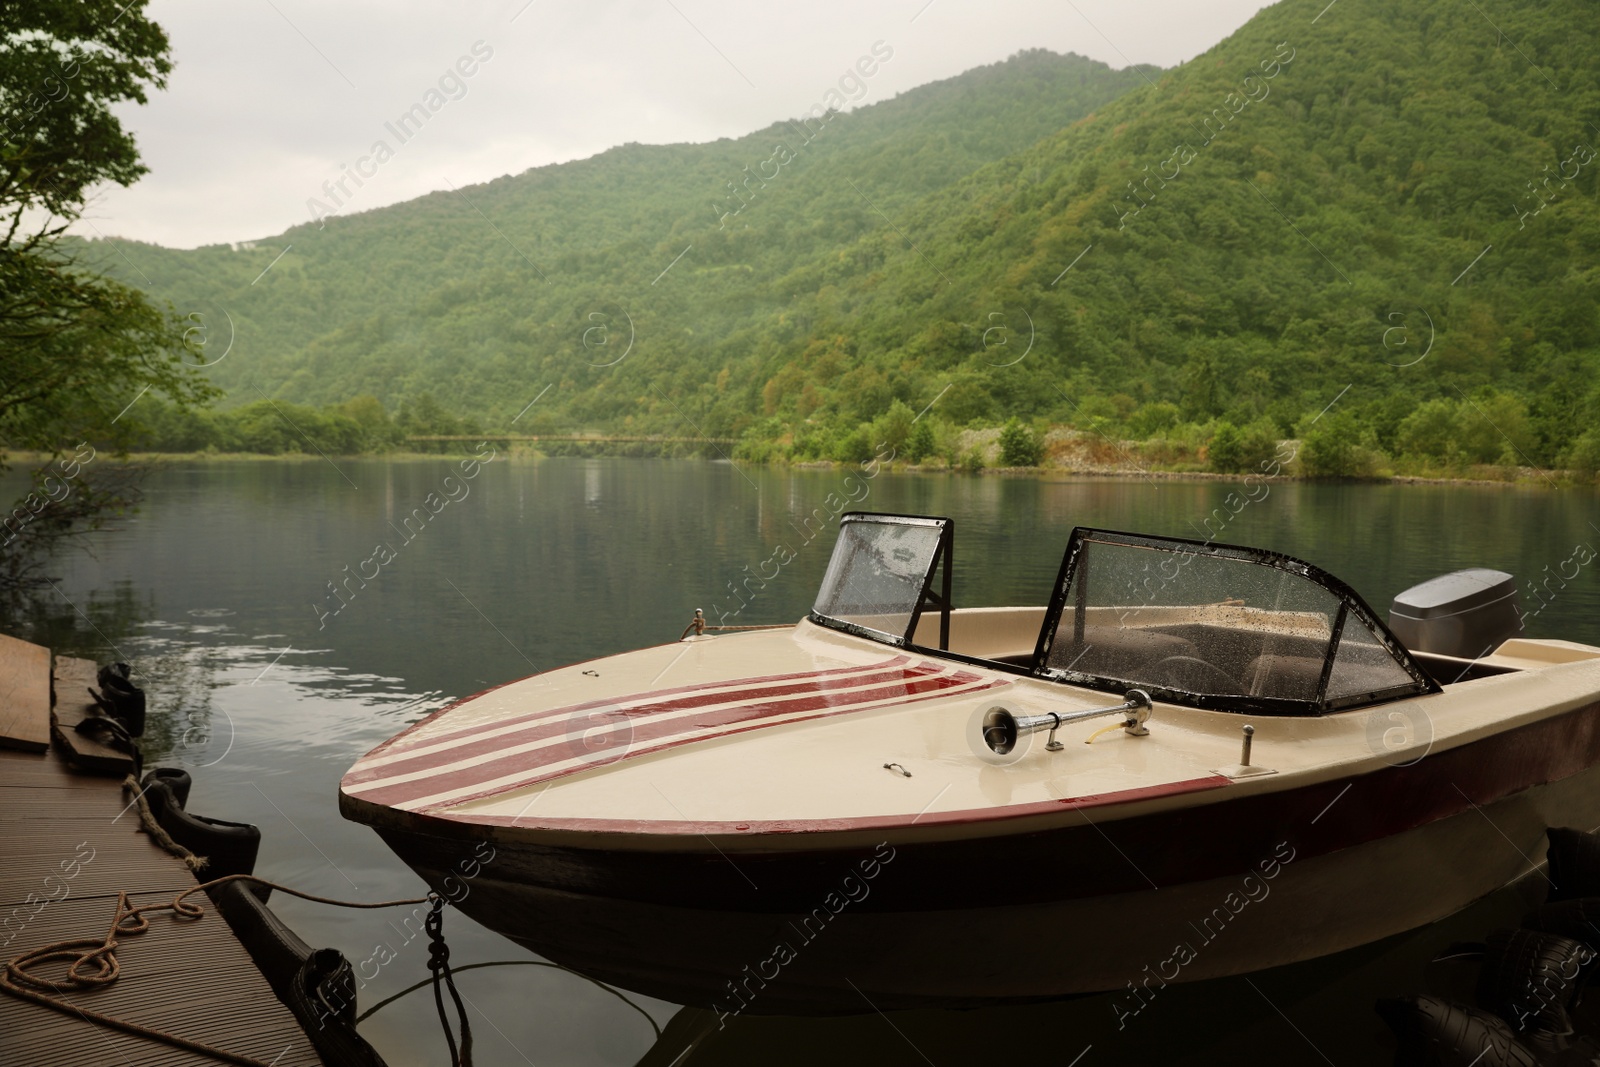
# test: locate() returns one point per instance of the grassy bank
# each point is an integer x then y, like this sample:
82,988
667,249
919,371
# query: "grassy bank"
978,452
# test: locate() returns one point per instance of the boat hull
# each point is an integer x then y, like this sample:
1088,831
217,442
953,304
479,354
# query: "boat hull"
935,920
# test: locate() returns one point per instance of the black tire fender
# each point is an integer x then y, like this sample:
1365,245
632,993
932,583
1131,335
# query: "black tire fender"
1530,978
230,847
1574,858
1440,1033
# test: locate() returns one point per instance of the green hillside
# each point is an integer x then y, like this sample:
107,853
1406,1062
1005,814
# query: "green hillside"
482,298
1303,245
1344,205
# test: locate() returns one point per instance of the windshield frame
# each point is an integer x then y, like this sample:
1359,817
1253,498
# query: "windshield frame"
1350,603
944,552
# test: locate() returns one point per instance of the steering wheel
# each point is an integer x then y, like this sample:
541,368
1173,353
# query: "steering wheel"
1191,672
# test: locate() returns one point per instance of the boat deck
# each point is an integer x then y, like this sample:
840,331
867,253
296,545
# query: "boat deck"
842,735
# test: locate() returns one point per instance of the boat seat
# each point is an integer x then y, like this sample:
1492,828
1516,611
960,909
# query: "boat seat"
1284,676
1118,651
1297,677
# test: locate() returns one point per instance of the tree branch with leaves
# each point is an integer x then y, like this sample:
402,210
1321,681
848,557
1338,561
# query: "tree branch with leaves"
76,348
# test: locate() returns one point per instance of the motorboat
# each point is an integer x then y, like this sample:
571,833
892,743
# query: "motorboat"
1193,760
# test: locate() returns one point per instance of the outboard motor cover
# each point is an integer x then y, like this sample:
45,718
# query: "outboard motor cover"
1464,613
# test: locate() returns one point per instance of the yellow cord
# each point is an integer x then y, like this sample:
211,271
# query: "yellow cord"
1104,730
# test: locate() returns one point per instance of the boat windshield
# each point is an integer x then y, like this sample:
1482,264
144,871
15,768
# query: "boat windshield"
1217,626
881,575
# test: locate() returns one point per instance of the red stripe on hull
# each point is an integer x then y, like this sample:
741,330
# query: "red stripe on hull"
484,773
690,740
596,714
400,740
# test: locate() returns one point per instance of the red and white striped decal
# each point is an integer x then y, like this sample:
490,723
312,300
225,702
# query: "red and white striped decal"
523,750
404,746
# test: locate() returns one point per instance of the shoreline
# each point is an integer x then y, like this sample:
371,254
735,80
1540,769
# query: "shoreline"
1509,477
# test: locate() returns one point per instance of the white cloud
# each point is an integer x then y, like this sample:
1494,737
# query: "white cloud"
269,100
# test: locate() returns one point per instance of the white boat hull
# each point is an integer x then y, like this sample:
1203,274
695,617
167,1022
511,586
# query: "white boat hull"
1287,907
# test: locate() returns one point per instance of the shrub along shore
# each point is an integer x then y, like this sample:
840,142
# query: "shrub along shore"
1431,444
1064,455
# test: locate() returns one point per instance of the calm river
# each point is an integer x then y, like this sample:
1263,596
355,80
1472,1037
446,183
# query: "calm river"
217,592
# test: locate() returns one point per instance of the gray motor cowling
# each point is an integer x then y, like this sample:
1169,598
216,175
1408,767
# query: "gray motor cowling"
1464,613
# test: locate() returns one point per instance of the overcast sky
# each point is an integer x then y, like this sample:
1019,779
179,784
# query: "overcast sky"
269,98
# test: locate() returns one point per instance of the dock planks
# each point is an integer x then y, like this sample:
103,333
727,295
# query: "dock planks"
72,679
67,840
24,695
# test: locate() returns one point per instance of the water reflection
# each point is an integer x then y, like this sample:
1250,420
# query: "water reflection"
1314,1012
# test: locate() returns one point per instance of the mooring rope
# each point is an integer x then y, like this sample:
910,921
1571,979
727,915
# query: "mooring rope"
157,832
439,964
699,625
101,956
413,987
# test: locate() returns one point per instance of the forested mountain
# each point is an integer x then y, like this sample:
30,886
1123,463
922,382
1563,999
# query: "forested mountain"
1394,198
482,297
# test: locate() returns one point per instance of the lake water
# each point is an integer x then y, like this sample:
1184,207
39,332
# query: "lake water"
217,592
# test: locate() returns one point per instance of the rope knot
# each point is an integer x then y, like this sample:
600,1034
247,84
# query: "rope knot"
438,951
438,957
439,965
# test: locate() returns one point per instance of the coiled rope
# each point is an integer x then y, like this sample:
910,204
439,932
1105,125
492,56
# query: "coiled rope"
92,964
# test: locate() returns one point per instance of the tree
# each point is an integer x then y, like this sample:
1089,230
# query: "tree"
922,443
377,429
1152,419
893,427
71,339
1199,377
1433,431
854,446
75,348
1234,450
423,416
1020,445
1495,428
1332,449
1226,451
1583,458
64,64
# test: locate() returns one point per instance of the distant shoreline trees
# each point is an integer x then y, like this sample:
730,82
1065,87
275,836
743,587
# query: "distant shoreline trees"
360,426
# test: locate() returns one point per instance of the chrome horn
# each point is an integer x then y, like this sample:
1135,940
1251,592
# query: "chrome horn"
1002,730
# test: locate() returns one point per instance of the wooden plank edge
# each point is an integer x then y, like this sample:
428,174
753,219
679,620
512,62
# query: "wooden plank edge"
87,754
28,730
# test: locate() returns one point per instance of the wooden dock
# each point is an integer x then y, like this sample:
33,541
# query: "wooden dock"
68,843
